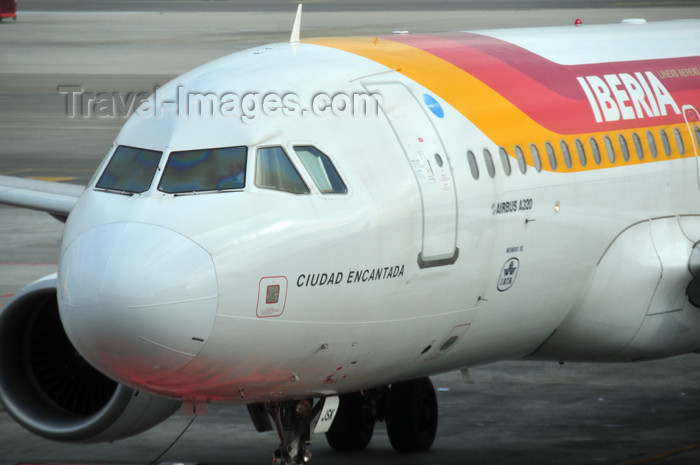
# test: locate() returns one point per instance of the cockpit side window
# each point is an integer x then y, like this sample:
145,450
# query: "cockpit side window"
321,169
130,170
274,170
204,170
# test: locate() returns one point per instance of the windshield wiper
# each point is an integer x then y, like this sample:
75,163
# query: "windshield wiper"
114,191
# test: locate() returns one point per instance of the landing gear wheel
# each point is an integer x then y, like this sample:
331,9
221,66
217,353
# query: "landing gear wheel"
412,415
353,425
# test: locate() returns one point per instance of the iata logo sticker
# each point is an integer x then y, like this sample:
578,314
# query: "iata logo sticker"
508,274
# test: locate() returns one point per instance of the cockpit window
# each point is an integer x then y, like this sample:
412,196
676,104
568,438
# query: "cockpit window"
273,170
204,170
130,170
321,169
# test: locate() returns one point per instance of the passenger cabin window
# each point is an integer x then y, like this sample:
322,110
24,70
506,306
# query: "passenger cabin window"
565,152
679,141
505,160
274,170
130,170
638,146
521,159
595,150
321,169
536,157
488,159
665,143
652,144
581,152
204,170
473,167
623,147
551,156
697,136
610,149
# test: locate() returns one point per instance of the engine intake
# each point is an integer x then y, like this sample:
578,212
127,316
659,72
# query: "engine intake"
48,388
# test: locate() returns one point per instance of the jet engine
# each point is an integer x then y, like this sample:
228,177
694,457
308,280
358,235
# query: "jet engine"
642,299
48,388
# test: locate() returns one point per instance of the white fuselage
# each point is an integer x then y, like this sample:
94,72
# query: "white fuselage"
168,293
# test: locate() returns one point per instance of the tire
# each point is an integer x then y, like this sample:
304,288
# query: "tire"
353,425
412,415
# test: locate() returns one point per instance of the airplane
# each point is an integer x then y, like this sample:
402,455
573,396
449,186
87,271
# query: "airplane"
314,228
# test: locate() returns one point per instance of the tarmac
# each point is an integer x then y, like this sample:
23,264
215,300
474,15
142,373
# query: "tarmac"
514,413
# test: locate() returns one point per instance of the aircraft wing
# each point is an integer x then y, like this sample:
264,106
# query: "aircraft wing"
54,198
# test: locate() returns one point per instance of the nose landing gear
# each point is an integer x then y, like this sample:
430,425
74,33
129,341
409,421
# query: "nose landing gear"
293,424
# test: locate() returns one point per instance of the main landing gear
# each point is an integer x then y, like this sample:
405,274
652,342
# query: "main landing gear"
409,409
412,415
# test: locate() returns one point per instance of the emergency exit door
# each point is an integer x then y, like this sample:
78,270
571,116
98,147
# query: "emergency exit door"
431,168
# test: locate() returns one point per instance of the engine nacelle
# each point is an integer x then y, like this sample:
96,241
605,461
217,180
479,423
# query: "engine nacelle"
636,306
48,388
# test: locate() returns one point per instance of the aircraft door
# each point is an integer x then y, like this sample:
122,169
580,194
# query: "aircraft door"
431,168
692,120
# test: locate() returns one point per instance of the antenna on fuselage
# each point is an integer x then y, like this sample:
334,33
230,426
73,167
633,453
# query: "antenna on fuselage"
297,26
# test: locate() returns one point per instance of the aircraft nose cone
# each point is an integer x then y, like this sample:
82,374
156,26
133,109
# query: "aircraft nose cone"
138,301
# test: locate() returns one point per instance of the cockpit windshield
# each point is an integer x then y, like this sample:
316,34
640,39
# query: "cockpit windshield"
204,170
130,170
